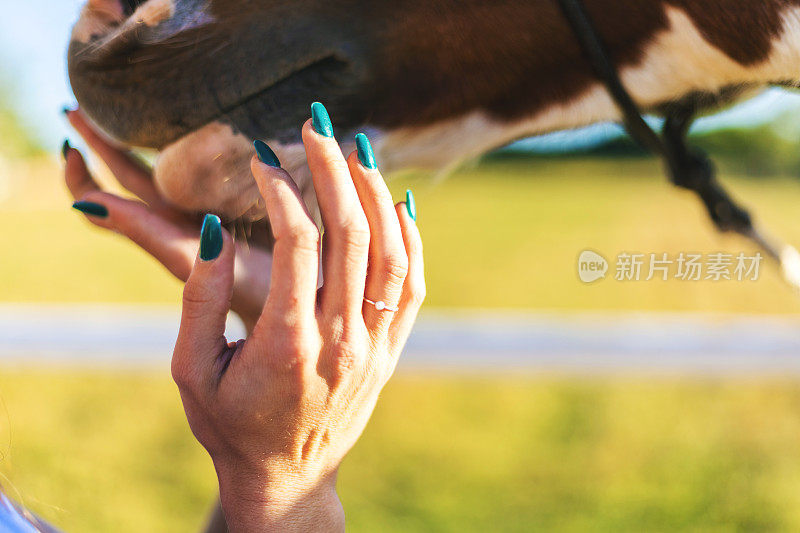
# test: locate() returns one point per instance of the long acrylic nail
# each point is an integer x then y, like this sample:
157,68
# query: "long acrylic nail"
65,149
411,205
321,120
91,209
266,155
365,153
211,238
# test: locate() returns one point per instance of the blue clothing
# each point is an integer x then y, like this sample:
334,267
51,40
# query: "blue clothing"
11,520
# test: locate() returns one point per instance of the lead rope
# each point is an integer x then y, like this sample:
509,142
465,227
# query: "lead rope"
688,168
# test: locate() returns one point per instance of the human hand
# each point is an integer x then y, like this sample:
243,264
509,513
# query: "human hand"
279,411
171,236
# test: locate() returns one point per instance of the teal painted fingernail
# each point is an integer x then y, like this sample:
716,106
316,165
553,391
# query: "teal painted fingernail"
211,238
65,149
266,155
321,120
365,153
411,205
91,209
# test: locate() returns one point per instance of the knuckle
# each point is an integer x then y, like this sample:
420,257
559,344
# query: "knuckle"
195,295
294,349
347,358
182,374
332,160
355,232
395,265
294,371
345,363
303,236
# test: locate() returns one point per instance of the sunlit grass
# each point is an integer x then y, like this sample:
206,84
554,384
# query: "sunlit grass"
503,234
104,451
96,451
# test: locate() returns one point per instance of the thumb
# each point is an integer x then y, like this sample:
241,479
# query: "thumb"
206,302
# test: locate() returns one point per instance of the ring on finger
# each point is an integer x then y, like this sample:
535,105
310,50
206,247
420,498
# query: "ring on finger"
380,305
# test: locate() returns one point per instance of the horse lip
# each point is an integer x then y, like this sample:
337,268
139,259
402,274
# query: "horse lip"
120,89
225,113
225,110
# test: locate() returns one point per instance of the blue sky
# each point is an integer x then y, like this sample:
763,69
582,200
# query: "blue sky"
33,41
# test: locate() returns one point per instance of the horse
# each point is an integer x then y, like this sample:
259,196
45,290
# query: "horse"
432,82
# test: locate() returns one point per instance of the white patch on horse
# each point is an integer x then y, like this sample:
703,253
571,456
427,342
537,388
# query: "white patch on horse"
97,18
209,171
678,61
153,12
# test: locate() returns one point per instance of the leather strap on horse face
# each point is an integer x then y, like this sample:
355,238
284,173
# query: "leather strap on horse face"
688,168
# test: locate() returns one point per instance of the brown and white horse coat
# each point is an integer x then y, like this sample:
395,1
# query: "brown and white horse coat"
433,82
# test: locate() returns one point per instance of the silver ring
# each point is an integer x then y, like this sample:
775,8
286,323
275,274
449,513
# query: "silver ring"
380,305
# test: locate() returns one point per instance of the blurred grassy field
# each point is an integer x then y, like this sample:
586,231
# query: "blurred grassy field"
96,451
105,451
506,233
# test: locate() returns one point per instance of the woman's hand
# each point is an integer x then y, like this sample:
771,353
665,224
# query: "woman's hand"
279,411
169,235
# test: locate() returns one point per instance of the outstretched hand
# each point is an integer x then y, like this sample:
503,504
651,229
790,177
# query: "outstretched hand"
171,236
278,411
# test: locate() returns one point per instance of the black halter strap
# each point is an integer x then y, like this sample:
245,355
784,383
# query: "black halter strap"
597,54
688,168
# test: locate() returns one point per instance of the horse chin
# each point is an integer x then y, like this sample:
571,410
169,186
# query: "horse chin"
208,171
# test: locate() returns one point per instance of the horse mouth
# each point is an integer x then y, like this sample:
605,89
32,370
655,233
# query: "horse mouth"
152,104
277,111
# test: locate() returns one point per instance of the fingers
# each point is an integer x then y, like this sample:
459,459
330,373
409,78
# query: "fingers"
206,302
388,262
129,170
162,239
414,287
346,228
295,263
78,179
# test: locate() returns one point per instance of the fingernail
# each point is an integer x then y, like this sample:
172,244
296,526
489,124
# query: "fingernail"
211,238
321,120
91,209
65,149
266,155
411,205
365,153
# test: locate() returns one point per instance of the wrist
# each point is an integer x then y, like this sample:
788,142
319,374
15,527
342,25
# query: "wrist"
280,501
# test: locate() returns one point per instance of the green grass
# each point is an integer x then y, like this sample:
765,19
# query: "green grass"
105,451
506,233
96,451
